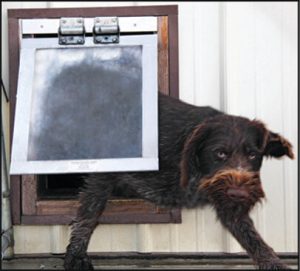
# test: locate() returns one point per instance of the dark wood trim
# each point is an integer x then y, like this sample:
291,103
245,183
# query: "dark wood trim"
173,216
26,208
120,211
13,44
163,55
69,207
93,12
173,56
29,194
15,199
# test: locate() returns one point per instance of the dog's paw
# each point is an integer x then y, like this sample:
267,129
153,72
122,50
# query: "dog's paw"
274,265
77,263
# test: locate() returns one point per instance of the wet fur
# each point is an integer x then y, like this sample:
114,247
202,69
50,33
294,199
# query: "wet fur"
190,177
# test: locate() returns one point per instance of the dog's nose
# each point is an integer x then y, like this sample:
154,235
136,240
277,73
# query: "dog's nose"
237,192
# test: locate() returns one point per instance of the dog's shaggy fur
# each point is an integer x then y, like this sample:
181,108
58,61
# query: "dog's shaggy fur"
205,157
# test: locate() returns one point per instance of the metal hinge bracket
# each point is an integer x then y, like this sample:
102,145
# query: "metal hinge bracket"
71,31
106,30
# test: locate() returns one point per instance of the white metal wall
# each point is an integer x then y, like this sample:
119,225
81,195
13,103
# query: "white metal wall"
238,57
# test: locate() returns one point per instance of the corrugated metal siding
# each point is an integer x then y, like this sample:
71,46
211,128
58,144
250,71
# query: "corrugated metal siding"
240,57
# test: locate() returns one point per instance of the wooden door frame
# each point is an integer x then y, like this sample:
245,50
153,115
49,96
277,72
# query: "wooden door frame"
26,208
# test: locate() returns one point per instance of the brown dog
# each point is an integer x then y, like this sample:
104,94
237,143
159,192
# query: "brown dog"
206,157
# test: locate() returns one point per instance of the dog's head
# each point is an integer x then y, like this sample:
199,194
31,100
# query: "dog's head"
225,154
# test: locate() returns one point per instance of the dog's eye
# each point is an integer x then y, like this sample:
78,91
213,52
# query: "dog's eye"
222,155
252,156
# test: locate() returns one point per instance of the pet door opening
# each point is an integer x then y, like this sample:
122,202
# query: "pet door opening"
86,108
67,186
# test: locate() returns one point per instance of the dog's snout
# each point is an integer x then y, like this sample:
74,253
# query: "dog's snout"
237,185
237,192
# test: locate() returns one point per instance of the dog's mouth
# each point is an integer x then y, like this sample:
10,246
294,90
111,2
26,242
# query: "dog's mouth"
233,186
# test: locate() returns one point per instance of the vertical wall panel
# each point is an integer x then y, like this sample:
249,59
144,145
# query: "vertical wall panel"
210,234
101,239
160,237
255,72
144,240
125,239
240,95
32,239
239,42
186,52
206,58
290,121
58,233
268,21
187,232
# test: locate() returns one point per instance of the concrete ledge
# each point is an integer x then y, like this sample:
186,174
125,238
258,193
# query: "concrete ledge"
145,261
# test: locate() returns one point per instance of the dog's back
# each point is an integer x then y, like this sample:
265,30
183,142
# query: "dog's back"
177,120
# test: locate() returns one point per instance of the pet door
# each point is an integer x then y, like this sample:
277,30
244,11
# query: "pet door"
87,97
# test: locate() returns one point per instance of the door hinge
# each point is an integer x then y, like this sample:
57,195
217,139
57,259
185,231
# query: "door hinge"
106,30
71,31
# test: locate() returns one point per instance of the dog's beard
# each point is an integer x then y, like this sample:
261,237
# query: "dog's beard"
222,187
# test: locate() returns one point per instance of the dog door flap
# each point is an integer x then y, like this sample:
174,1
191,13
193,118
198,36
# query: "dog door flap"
86,108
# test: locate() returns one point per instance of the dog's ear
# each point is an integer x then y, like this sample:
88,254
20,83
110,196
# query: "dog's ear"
277,146
273,144
188,164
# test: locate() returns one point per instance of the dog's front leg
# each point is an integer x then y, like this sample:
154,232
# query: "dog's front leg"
246,234
92,203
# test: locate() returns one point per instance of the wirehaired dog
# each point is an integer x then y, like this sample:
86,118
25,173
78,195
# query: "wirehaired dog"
205,157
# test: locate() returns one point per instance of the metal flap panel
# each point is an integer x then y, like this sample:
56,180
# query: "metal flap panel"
86,108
